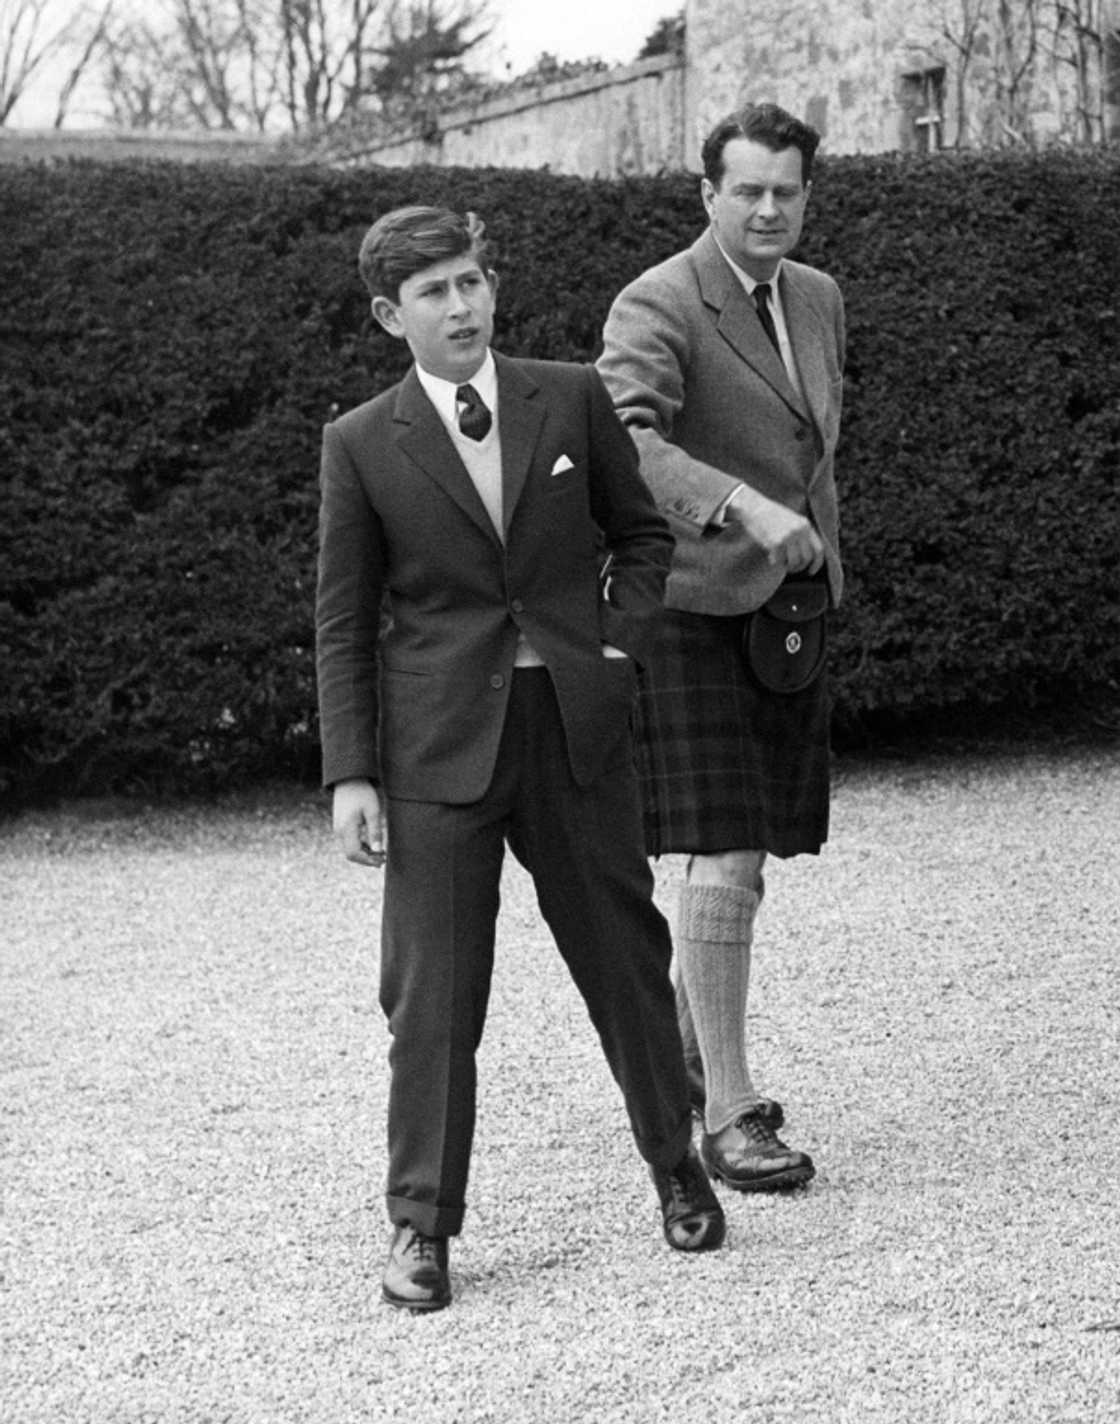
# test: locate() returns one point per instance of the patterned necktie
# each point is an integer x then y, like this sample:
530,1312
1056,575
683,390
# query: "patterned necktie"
474,418
762,302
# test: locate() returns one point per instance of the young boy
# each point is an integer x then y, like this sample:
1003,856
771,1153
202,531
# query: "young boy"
497,506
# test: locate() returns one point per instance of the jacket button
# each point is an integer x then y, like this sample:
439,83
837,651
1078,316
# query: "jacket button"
800,433
497,681
517,606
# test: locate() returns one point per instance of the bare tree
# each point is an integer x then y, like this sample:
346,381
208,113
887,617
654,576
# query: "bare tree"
264,60
34,33
213,37
324,51
1079,45
961,23
300,64
1015,57
82,63
139,78
1015,34
1110,79
237,64
208,64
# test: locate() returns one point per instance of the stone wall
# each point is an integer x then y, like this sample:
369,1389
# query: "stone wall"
608,124
821,59
871,75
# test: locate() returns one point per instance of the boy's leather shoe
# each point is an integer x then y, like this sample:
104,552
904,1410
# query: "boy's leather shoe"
750,1157
416,1276
691,1216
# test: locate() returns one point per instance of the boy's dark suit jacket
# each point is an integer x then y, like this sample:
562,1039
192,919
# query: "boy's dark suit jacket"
422,714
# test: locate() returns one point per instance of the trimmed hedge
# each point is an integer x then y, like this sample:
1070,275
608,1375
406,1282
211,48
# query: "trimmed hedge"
981,450
173,337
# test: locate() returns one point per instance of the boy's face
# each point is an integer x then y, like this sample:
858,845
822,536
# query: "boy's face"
446,314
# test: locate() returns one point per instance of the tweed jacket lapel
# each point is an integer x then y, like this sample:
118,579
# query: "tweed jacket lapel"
421,435
737,318
809,341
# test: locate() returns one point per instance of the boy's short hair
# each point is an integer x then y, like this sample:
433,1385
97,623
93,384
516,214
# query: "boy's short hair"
773,127
406,240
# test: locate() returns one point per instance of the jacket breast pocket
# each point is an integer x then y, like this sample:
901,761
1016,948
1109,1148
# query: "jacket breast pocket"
571,477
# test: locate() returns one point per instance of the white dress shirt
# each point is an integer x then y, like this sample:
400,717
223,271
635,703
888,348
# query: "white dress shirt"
785,350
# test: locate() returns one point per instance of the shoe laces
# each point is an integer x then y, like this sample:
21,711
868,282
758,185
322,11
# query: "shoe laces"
759,1131
682,1181
424,1248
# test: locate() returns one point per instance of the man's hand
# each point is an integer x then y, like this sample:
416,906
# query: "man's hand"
359,822
788,539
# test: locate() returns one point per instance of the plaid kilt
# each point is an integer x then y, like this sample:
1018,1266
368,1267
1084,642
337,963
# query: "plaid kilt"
724,764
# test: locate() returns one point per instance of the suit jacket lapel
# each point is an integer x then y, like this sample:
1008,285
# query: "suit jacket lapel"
521,413
738,321
422,436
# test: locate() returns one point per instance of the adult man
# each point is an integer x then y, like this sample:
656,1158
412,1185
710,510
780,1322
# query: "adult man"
726,364
483,497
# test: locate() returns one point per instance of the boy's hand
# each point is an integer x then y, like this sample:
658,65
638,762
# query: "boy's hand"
359,822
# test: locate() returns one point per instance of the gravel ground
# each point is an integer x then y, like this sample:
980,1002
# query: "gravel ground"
194,1117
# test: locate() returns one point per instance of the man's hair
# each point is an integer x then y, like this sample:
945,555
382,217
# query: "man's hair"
406,240
766,124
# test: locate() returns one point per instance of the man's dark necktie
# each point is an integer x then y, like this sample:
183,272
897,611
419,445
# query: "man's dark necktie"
762,302
474,418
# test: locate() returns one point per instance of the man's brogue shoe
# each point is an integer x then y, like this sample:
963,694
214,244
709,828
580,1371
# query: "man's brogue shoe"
416,1276
691,1216
770,1112
755,1159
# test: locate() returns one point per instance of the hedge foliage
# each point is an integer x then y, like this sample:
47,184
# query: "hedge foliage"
173,337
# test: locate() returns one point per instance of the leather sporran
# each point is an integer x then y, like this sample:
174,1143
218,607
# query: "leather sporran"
785,641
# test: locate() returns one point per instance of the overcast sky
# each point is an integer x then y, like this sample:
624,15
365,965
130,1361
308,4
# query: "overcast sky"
611,30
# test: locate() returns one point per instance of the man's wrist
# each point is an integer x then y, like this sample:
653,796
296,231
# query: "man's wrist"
720,514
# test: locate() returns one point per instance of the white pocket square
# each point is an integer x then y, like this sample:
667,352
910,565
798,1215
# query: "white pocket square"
562,464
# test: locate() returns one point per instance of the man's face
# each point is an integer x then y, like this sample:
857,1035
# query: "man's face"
446,314
759,207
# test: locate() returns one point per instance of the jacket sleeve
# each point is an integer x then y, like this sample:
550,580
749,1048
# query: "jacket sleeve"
347,617
638,544
645,362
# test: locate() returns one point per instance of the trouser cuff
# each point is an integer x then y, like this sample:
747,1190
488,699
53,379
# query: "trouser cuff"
424,1217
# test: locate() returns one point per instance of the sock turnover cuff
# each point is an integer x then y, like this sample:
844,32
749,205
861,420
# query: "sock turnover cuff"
717,914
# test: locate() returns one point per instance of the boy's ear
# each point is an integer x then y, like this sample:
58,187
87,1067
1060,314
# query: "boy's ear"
492,282
386,315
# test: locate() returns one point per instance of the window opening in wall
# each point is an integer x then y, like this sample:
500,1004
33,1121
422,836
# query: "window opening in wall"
923,105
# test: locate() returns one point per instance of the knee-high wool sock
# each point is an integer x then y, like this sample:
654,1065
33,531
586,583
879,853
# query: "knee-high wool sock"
684,1013
714,955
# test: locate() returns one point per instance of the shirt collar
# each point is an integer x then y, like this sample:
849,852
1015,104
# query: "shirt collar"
442,393
749,282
